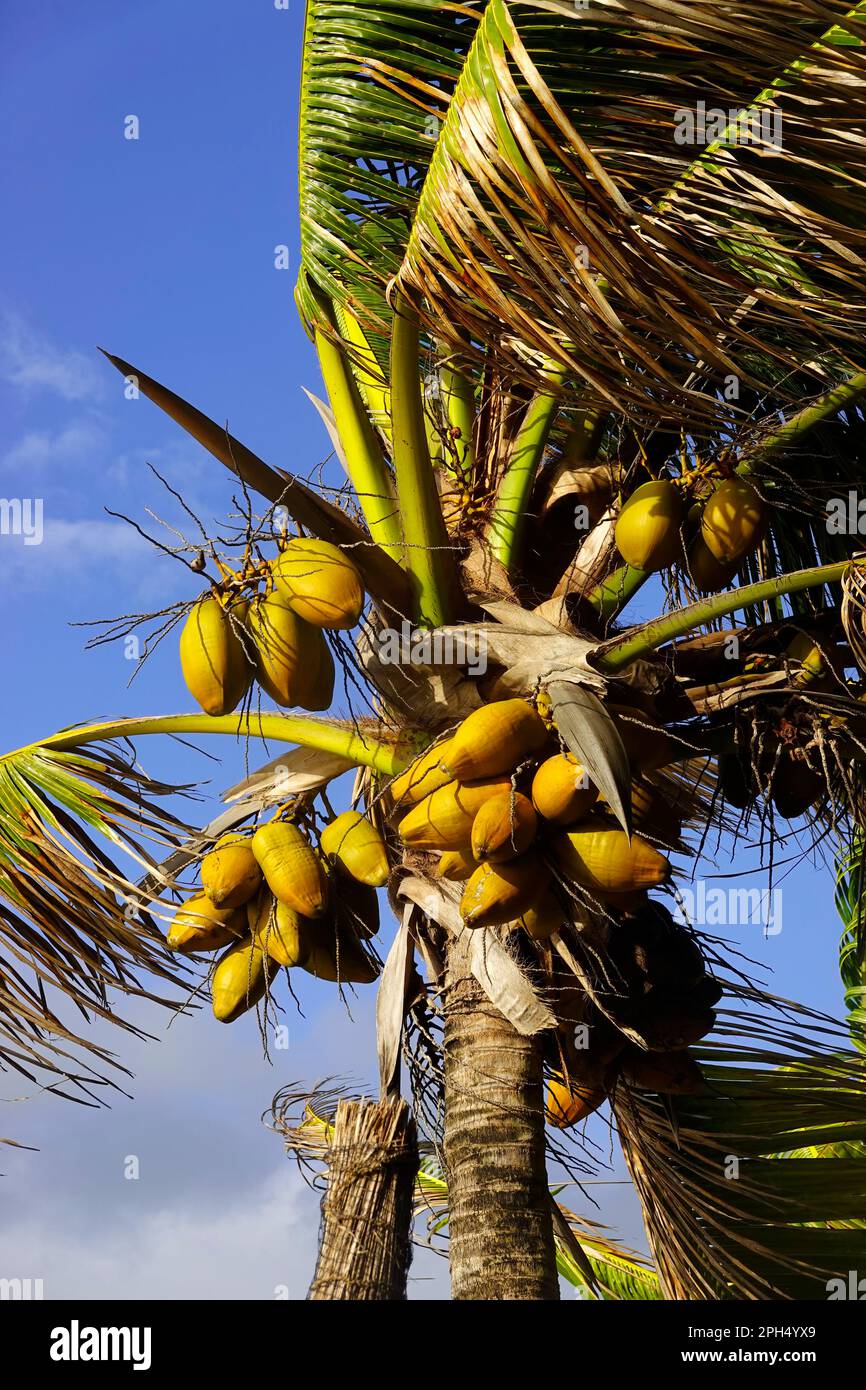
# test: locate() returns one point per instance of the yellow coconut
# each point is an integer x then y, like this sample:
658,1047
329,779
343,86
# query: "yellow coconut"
422,777
708,574
733,521
648,528
229,874
498,893
212,657
291,868
494,739
456,865
239,980
321,583
282,654
606,860
444,819
567,1104
504,828
318,673
200,926
561,790
358,846
545,918
334,955
281,931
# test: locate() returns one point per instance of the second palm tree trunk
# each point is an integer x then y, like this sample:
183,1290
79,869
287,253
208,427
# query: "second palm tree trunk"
501,1231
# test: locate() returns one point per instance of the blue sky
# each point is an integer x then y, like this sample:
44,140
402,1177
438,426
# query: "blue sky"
162,249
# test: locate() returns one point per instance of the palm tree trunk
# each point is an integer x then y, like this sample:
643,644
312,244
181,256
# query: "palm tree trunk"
366,1246
501,1230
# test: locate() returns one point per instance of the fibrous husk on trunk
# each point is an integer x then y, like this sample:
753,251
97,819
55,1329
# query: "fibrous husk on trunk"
371,1153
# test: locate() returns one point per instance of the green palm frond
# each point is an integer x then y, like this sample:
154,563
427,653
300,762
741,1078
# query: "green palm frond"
377,76
543,226
72,922
850,904
726,1216
621,1275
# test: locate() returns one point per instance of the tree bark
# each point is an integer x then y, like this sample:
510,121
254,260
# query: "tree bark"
366,1243
501,1229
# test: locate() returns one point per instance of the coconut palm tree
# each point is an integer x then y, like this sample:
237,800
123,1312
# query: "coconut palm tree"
585,282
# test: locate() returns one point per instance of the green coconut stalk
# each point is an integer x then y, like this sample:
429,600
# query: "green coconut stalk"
428,557
615,655
509,511
458,398
366,370
387,759
365,461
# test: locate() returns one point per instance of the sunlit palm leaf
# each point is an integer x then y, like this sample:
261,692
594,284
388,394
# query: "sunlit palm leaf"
542,223
72,922
377,75
851,906
621,1275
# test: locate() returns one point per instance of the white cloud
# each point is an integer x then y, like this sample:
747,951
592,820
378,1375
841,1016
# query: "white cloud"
263,1238
30,362
39,448
72,548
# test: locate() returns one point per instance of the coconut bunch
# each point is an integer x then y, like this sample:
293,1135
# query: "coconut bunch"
507,809
268,624
516,819
656,1000
274,899
708,525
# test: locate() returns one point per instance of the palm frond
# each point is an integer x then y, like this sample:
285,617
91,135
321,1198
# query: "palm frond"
72,923
727,1217
850,904
382,575
621,1275
544,224
377,76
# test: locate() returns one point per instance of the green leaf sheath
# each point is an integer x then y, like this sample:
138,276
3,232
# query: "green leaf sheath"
428,550
365,461
510,511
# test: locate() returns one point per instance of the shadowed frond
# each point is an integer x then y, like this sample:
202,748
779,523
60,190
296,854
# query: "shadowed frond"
726,1216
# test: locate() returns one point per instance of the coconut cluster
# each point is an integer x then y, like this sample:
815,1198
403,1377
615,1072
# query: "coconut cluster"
519,822
272,630
273,899
505,805
656,528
